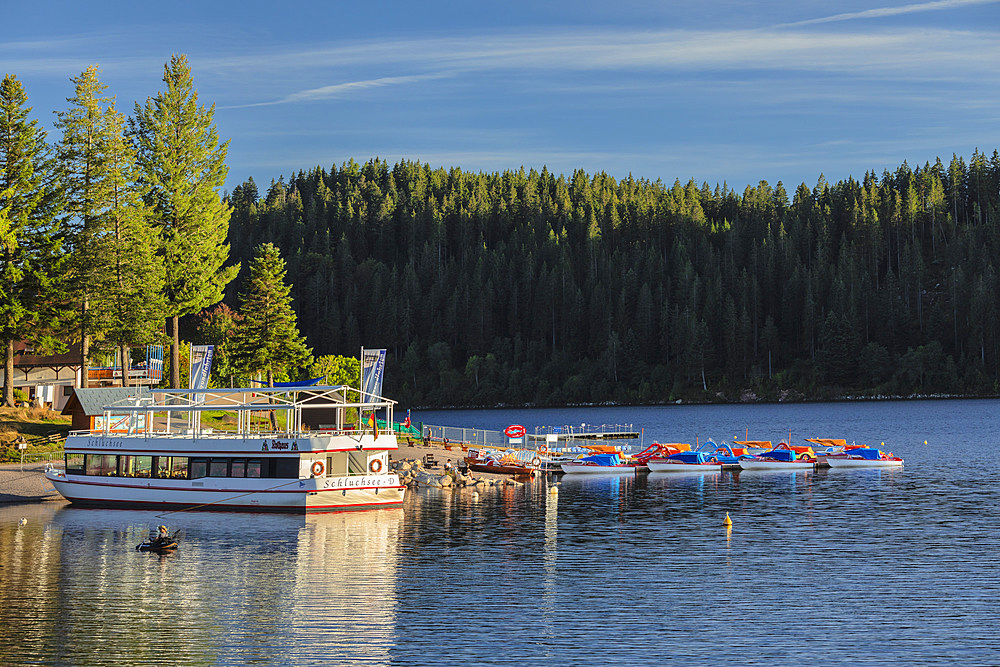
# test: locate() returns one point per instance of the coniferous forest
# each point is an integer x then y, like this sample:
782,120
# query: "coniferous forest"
536,288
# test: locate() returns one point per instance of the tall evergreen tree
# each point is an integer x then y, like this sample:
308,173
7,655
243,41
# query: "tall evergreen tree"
131,303
30,252
81,153
267,338
183,168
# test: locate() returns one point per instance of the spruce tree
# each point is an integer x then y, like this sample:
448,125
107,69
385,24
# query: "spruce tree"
82,161
30,247
131,303
183,168
267,338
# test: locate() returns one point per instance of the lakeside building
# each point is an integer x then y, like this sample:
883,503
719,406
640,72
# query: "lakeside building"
49,379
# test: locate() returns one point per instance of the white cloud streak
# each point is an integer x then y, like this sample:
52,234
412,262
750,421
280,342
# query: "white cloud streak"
914,54
882,12
341,90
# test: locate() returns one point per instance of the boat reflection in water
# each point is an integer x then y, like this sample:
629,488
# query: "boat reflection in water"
241,588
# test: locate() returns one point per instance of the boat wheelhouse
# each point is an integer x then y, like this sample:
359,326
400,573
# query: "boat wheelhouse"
287,449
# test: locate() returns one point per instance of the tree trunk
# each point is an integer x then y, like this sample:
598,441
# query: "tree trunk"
123,351
8,376
84,346
271,413
175,354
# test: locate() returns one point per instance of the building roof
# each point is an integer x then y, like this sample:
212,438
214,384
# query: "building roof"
93,399
24,357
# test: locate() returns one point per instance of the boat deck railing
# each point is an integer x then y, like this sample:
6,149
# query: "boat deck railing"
139,414
477,438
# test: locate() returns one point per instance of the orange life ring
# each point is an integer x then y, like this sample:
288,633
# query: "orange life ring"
317,468
375,466
543,448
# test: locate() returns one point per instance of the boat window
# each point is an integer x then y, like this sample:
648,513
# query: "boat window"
329,466
199,468
125,466
239,468
161,467
135,466
178,467
74,464
253,468
105,465
286,467
143,466
218,468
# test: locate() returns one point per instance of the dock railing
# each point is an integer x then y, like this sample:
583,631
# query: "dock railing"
567,441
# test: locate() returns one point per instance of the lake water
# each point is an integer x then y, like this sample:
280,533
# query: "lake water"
829,567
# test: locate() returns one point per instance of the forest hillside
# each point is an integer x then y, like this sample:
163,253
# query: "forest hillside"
534,288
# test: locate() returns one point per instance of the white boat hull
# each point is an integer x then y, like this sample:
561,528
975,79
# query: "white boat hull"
688,468
835,462
583,468
754,464
330,494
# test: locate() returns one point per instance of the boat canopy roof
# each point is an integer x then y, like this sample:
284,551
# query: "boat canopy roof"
828,442
867,453
690,457
602,459
781,454
602,449
766,444
248,398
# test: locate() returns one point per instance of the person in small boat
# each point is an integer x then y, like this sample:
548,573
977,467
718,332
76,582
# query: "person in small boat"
162,537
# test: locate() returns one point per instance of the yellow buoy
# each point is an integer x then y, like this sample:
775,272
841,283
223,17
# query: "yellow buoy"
728,521
553,490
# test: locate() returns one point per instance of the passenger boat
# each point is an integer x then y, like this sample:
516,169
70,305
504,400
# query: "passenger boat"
686,462
782,457
151,450
864,457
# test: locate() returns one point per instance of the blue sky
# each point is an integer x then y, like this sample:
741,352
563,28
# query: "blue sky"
715,90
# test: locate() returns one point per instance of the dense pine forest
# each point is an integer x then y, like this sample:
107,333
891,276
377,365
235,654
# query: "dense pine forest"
536,288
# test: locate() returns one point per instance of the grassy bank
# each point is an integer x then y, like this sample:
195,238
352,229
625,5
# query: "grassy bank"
32,425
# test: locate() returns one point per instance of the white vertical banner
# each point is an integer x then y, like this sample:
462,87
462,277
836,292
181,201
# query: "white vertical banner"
201,368
372,370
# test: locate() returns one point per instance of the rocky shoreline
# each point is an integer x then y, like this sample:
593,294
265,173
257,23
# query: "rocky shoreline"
412,472
27,484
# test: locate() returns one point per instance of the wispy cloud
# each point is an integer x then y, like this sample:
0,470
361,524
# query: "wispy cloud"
601,50
882,12
341,90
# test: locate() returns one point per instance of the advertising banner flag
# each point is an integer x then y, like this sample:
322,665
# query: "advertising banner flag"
201,368
372,370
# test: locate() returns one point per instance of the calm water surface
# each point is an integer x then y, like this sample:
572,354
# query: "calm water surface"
830,567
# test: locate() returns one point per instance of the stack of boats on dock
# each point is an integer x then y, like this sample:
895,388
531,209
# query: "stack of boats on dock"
741,455
675,458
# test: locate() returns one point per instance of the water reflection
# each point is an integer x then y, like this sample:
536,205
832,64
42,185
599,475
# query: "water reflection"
845,566
241,588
